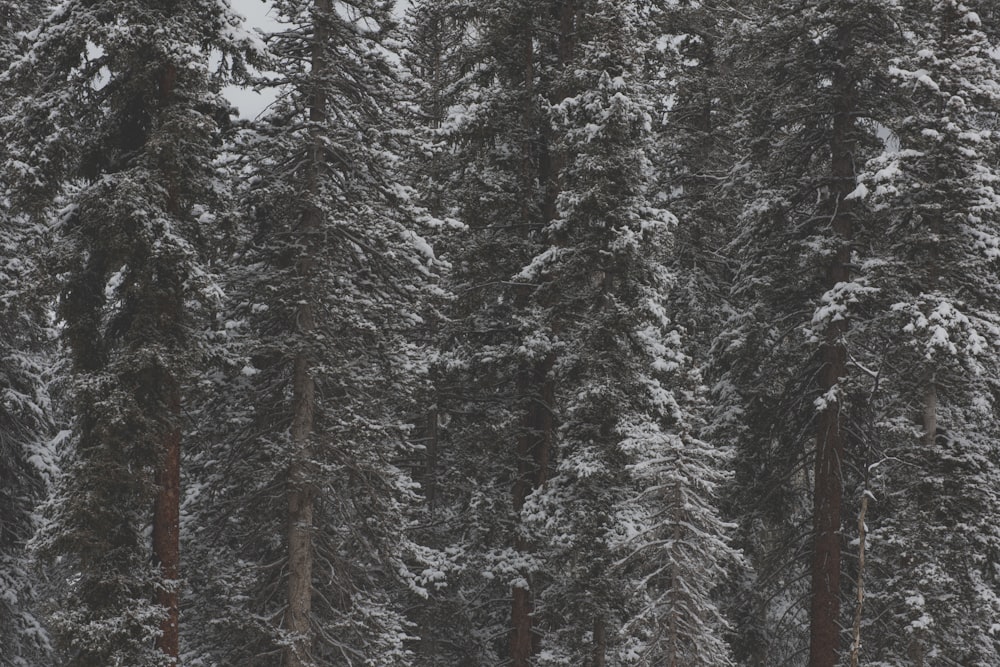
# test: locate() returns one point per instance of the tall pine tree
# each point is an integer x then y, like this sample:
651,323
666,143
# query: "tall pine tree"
116,114
26,409
305,489
797,400
933,550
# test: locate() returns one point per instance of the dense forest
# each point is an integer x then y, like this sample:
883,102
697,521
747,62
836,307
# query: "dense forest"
580,333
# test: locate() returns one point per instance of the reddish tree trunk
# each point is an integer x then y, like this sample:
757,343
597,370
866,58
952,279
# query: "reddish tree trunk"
167,505
824,628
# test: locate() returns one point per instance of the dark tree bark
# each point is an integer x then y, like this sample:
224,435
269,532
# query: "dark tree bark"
300,492
167,505
533,452
824,622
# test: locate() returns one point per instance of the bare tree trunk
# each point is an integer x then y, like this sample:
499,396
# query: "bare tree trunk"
167,504
824,627
301,492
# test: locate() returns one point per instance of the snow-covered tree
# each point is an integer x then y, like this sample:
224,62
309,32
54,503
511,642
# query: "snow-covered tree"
26,410
26,415
313,507
794,400
933,585
494,394
114,123
626,524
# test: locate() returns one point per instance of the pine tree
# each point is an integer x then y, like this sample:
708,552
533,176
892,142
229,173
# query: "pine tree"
26,418
698,137
313,508
796,398
494,389
116,114
26,410
435,36
933,581
628,581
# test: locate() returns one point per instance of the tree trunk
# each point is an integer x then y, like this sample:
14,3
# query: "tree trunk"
167,504
166,530
600,642
301,492
533,451
824,628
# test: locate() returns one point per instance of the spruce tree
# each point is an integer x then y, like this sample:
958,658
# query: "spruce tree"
116,117
328,282
632,543
795,396
932,584
495,391
26,409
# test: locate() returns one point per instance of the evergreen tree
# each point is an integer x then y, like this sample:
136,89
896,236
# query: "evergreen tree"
795,399
435,36
933,581
533,128
26,410
633,546
26,460
116,112
311,504
495,390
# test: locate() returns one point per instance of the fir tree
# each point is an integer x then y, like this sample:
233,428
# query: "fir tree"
328,287
495,390
933,580
26,409
795,398
117,111
632,491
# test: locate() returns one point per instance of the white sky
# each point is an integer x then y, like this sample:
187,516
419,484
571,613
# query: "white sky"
251,103
256,13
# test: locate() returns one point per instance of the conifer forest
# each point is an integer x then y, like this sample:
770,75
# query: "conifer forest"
510,333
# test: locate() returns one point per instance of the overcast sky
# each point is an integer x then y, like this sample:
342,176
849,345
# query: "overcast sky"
256,13
249,102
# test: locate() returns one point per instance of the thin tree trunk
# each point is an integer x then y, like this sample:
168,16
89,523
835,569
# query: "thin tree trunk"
301,492
533,451
860,588
600,642
824,627
167,504
166,530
